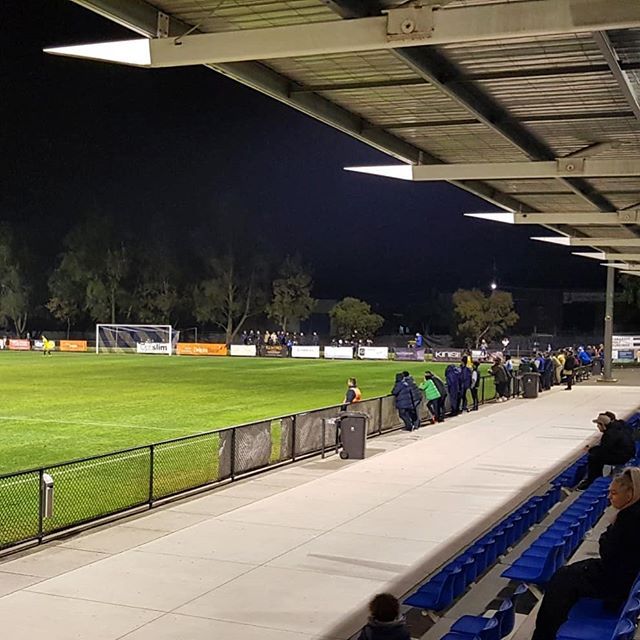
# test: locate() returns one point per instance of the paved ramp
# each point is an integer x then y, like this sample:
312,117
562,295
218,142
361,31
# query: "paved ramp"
296,554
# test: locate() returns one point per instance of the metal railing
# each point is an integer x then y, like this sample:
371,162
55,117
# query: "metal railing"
111,484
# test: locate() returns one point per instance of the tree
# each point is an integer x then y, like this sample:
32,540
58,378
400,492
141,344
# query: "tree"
14,289
291,294
66,299
483,317
92,272
353,316
234,292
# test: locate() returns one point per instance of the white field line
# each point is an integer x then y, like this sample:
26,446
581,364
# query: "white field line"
85,423
94,463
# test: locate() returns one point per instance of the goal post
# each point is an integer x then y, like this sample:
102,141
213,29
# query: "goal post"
136,338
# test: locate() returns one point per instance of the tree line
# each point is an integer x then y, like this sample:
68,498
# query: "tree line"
104,274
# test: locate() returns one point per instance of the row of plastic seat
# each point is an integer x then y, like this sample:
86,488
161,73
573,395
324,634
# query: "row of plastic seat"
445,587
572,475
559,541
590,620
498,626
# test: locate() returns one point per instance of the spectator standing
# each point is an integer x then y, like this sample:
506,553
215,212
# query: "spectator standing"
475,384
419,341
465,382
570,364
442,388
416,397
547,372
405,401
501,378
616,447
557,367
385,621
432,395
608,577
353,394
452,375
508,367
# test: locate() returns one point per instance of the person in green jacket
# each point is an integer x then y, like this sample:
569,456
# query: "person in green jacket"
432,395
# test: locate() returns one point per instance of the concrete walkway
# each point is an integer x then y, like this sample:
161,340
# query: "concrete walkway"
296,554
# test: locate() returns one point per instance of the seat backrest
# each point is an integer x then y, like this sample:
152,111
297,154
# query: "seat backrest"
625,630
506,616
491,630
553,561
631,609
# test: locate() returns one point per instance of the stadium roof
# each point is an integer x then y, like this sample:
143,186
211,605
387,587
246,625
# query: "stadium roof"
533,105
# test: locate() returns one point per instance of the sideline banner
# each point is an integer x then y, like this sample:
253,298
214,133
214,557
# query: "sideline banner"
447,355
373,353
19,345
302,351
274,351
201,349
243,350
73,345
416,355
338,353
153,347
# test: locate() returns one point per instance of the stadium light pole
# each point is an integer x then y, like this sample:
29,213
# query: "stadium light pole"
608,326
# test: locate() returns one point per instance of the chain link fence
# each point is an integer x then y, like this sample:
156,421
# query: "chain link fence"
100,486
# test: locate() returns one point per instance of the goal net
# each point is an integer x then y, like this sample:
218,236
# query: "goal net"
136,338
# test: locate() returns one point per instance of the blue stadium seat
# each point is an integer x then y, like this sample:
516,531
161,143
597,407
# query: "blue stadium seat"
489,629
537,572
622,629
439,592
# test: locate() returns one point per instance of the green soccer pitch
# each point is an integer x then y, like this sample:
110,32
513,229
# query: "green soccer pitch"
73,405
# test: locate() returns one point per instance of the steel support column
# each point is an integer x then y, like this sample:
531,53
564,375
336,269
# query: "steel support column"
608,325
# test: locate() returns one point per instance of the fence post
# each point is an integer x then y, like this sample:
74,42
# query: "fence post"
482,379
152,452
232,463
293,437
380,401
40,504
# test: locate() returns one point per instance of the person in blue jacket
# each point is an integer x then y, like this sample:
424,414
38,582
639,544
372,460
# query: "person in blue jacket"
406,401
465,382
452,375
583,356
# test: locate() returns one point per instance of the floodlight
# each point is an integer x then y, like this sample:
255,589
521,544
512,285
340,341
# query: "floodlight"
135,52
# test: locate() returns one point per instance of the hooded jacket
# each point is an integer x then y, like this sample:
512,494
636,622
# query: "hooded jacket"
404,394
375,630
616,444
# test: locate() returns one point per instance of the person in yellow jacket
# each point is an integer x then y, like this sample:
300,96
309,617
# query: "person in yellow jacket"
47,346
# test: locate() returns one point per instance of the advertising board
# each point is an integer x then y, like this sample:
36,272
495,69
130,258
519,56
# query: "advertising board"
447,355
201,349
153,347
19,345
73,345
245,350
415,355
338,353
373,353
274,351
305,351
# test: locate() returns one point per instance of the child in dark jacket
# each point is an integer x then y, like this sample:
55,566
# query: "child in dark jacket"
385,622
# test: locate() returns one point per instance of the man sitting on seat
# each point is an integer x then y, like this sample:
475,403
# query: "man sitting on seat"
608,577
616,447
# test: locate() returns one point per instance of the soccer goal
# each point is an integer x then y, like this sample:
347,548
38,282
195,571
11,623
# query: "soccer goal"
136,338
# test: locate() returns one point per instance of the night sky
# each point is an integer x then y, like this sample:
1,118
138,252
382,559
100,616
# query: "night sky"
172,151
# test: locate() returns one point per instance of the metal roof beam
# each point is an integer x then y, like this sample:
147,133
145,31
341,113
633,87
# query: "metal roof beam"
560,168
607,255
571,241
609,53
511,74
559,217
401,27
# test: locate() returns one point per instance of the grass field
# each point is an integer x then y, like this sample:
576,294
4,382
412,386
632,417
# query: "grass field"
76,405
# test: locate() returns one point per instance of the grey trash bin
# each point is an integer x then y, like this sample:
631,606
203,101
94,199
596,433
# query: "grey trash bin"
353,435
530,382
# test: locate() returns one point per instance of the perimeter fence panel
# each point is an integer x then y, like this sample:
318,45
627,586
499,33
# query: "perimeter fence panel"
286,439
97,487
253,446
390,417
180,465
309,432
372,409
19,508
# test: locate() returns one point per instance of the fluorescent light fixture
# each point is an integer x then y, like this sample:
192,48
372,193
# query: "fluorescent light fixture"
565,241
631,273
399,171
621,265
135,52
595,255
507,217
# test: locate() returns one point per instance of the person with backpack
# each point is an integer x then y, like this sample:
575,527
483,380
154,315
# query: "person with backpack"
428,386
